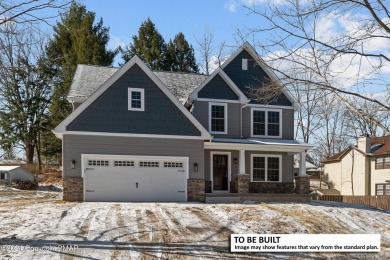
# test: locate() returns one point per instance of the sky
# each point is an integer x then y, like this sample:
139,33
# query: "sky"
171,17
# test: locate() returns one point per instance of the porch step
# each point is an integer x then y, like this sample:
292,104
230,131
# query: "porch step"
256,198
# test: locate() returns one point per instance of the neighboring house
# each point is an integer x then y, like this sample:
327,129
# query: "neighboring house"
9,174
312,170
361,170
142,135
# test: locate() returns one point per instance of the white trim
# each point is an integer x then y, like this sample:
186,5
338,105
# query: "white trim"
269,106
60,135
212,153
61,128
135,157
266,110
218,100
225,117
257,147
246,46
242,98
130,99
266,156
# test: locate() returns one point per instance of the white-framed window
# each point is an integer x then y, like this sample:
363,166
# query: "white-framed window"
3,175
218,118
149,164
136,97
173,165
266,122
123,163
266,168
98,163
244,64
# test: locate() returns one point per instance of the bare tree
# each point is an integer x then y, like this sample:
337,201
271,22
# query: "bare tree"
344,61
27,11
206,47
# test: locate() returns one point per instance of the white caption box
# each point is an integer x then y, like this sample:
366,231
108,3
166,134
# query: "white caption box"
305,243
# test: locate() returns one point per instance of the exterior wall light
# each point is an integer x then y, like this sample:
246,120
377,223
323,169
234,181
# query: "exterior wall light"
196,167
235,160
72,164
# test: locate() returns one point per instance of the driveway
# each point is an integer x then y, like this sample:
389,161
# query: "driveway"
42,226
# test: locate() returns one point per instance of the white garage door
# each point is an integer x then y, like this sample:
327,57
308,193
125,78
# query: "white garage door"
134,178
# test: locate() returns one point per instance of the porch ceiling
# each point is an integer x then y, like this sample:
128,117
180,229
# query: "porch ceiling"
258,144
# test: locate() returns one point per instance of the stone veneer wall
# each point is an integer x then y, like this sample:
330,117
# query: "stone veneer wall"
72,189
196,190
271,187
302,185
242,183
208,186
233,187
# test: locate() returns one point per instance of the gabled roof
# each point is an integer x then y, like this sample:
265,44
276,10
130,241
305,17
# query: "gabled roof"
88,78
61,128
379,146
246,46
339,156
242,98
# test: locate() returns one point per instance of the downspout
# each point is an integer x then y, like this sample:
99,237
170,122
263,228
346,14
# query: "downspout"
353,166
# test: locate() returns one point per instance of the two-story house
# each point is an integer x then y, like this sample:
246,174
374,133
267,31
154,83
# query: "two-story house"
142,135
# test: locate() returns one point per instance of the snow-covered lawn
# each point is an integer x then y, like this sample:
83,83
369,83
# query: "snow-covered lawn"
170,230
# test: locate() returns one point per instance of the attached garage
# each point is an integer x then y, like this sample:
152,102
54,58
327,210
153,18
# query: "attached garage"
134,178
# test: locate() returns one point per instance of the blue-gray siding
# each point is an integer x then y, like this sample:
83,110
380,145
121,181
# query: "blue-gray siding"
201,113
76,145
253,77
217,88
109,112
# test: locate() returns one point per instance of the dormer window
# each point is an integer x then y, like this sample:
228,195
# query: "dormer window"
136,99
244,64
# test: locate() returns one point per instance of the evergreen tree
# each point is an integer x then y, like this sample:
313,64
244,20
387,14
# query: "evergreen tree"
180,55
77,40
149,46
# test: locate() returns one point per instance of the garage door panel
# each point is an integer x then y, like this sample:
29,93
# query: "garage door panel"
136,179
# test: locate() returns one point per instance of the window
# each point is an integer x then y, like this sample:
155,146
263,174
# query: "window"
3,176
123,163
218,118
266,168
244,64
149,164
173,165
266,122
98,163
136,99
382,189
382,163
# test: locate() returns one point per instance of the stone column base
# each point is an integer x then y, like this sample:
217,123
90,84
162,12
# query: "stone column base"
302,185
242,183
196,190
73,189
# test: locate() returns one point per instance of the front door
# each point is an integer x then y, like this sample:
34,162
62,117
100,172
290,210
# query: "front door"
220,172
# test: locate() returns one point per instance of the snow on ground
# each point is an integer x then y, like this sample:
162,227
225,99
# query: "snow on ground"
172,230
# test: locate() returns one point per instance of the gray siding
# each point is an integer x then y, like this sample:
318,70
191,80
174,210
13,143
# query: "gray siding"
201,113
253,77
109,112
217,88
76,145
287,164
234,154
287,123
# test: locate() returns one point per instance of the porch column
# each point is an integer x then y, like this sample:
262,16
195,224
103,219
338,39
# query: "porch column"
241,162
242,178
302,165
302,182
